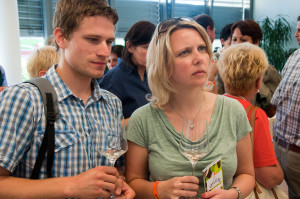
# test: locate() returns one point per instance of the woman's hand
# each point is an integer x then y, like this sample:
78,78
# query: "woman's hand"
176,187
220,194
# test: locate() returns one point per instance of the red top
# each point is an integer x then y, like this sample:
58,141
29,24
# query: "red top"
264,154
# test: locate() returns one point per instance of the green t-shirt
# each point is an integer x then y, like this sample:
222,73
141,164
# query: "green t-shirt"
149,127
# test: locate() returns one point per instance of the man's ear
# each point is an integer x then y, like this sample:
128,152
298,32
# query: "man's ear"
129,46
59,38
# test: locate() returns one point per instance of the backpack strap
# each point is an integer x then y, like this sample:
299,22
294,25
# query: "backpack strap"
49,98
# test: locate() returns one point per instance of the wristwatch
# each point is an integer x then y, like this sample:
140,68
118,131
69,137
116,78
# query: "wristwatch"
239,192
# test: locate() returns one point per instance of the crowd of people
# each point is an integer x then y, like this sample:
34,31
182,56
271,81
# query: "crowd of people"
156,80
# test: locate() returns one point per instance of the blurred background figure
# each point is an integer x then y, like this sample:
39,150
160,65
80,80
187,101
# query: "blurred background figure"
3,81
208,24
50,41
225,37
115,55
41,60
249,31
128,80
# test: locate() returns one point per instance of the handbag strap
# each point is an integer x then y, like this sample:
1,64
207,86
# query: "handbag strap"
251,117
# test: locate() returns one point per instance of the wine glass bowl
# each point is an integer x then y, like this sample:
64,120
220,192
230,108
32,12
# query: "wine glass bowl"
115,143
194,141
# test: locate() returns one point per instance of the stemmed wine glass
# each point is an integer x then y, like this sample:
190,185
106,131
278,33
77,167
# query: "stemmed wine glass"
194,141
115,143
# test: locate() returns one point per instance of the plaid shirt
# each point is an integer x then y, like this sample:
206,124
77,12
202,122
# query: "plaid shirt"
80,131
287,100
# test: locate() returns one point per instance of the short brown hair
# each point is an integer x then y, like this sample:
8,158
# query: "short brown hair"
240,66
69,14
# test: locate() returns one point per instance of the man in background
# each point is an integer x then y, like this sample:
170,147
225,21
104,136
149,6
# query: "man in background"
3,81
287,127
208,24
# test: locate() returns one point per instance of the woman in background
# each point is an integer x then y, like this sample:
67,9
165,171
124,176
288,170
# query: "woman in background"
128,81
242,67
249,31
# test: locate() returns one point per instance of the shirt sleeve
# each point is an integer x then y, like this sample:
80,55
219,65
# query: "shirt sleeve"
16,125
135,131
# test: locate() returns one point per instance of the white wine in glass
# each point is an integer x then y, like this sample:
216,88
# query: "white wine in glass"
194,141
115,143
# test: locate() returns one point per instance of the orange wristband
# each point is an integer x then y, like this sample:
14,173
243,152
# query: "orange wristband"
155,190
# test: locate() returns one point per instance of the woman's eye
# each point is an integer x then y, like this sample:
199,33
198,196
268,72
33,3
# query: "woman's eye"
184,52
202,48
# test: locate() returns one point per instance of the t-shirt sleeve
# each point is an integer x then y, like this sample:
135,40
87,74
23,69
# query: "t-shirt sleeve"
264,154
135,131
243,123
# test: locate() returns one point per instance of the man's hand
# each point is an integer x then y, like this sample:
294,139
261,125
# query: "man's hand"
94,183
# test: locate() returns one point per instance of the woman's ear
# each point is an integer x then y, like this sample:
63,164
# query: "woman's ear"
129,46
258,82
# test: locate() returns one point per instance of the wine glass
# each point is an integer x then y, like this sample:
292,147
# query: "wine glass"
194,141
115,143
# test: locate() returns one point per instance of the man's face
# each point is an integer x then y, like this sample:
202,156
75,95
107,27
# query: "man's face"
211,32
86,53
297,34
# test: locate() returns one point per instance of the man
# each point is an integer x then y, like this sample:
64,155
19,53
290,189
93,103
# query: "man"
3,81
208,24
84,32
297,34
287,126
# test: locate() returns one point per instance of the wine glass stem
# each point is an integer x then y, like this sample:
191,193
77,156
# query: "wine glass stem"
112,163
193,168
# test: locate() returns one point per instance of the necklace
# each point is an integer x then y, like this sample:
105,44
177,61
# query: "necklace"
191,125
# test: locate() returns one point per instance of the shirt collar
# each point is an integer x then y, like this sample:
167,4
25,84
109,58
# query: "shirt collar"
62,90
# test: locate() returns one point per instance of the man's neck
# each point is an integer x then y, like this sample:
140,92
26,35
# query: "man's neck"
79,85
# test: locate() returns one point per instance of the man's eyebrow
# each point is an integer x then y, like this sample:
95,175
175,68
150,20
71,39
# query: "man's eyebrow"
99,36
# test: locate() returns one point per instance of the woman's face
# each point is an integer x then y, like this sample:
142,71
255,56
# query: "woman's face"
191,60
238,38
139,54
112,60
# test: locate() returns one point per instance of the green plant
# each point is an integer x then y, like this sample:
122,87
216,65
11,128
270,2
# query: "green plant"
277,34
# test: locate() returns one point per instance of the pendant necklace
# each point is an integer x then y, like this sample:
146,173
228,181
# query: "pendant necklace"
191,125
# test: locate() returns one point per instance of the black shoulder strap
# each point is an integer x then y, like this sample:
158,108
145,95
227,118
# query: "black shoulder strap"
51,112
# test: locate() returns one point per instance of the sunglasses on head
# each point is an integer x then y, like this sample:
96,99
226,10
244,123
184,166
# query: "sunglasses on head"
166,24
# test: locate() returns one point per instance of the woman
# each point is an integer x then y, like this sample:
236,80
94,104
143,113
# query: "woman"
128,80
249,31
178,63
242,68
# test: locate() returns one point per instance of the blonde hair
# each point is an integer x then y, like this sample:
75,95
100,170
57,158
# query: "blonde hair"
160,58
41,59
240,66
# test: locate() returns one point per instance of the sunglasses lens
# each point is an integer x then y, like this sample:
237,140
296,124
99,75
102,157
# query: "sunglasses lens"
166,24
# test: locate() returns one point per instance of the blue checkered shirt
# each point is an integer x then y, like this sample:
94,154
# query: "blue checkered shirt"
80,131
287,100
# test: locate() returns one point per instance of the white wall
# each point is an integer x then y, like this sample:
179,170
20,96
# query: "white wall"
290,9
10,57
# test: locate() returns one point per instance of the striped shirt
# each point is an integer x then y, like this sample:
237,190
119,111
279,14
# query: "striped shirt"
287,100
80,131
